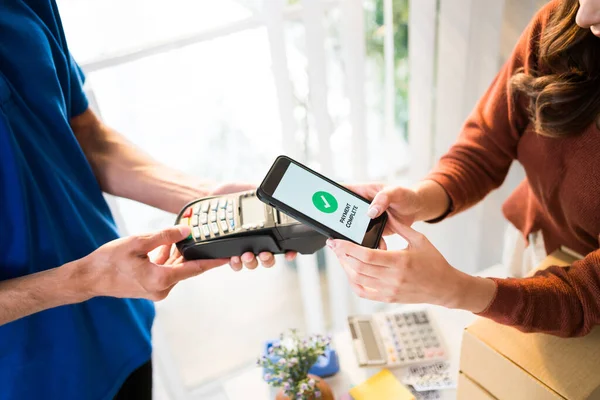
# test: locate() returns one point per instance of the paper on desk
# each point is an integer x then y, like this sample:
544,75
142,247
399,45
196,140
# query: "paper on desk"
425,395
427,377
381,386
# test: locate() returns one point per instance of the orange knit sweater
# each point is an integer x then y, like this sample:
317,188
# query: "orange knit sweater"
560,197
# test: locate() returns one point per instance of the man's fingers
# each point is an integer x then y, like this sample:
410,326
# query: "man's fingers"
236,263
249,260
266,259
167,236
189,269
291,255
161,255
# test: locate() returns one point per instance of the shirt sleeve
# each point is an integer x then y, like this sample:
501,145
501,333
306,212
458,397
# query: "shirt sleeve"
79,101
562,301
480,159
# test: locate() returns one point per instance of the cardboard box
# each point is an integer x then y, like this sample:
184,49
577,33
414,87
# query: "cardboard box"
500,362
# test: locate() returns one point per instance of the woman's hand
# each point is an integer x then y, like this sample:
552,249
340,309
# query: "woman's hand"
249,260
417,274
404,205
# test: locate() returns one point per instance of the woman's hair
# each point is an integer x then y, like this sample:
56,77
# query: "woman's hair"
564,89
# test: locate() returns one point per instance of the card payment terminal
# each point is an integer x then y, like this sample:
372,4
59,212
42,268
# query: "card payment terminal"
230,225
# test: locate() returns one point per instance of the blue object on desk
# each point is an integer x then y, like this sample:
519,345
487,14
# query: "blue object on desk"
326,365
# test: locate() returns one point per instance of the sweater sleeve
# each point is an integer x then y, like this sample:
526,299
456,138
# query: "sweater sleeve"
480,159
562,301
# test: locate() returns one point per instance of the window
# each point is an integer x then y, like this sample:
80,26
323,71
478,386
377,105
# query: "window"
193,84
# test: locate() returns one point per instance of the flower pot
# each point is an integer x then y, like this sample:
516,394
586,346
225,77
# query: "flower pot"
326,392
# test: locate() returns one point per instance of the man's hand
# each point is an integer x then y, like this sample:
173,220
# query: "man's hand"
122,268
248,259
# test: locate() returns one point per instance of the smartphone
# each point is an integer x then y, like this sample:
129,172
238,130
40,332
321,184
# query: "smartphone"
320,203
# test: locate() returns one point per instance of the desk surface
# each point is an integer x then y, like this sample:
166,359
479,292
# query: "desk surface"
450,322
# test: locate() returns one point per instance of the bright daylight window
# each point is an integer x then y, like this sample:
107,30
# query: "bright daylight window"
210,109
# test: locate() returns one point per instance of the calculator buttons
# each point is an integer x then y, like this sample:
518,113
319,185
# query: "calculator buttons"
196,232
214,205
221,214
212,216
224,226
420,353
409,338
205,231
195,220
230,207
203,218
222,203
214,228
231,224
204,206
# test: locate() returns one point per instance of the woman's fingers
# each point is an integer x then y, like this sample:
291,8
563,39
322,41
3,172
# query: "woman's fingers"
374,271
369,256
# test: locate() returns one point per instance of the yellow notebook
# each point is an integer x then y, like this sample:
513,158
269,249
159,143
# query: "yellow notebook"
381,386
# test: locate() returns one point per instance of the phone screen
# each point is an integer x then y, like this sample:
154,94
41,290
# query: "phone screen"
318,199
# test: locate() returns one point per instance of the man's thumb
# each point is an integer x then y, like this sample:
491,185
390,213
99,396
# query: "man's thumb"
167,236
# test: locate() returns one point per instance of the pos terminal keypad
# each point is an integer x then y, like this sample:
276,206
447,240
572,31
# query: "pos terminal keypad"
229,225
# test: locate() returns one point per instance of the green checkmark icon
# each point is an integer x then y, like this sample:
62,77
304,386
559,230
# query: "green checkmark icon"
325,202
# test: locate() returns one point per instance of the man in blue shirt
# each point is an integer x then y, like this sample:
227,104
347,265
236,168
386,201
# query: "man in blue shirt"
75,300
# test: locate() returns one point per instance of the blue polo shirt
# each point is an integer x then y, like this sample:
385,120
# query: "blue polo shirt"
52,212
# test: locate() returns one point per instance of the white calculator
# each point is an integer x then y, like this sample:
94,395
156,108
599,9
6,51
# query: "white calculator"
396,339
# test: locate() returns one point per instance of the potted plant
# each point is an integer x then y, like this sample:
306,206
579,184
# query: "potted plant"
287,364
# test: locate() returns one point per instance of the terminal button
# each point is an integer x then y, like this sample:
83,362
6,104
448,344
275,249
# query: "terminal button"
204,207
205,231
214,228
196,232
224,226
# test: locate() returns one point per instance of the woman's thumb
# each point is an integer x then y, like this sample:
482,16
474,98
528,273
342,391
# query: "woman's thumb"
380,203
